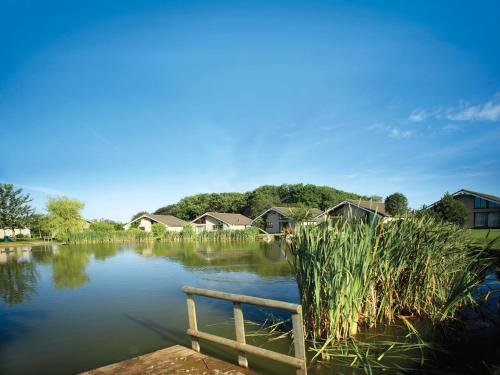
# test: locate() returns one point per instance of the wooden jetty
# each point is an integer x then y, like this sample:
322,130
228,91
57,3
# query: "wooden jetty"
180,360
174,360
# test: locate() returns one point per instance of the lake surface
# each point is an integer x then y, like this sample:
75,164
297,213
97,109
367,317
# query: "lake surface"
66,309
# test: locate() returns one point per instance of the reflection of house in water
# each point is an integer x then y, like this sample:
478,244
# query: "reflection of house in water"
19,253
206,252
147,251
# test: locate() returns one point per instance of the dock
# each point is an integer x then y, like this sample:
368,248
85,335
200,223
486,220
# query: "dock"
181,360
173,360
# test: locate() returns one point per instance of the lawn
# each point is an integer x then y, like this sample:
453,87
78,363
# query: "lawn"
486,235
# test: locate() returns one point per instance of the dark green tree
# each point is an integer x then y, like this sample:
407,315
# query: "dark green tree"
396,204
15,207
450,209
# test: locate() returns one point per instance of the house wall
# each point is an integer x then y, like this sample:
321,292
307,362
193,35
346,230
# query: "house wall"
349,211
8,232
468,201
145,224
275,222
212,224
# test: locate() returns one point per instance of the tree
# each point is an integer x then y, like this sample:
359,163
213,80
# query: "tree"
102,226
450,209
14,207
159,230
64,216
396,204
39,225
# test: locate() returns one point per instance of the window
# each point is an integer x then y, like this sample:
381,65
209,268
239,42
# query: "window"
483,203
494,219
269,224
481,219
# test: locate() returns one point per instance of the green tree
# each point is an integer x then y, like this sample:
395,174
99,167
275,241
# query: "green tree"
396,204
139,214
64,216
451,210
159,230
39,225
102,226
15,207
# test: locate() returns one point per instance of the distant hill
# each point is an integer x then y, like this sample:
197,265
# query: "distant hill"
254,202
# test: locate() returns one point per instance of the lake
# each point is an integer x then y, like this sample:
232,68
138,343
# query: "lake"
66,309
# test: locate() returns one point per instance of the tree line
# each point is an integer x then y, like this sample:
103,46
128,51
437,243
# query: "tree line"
254,202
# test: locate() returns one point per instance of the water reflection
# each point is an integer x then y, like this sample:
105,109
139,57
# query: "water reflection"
18,266
18,276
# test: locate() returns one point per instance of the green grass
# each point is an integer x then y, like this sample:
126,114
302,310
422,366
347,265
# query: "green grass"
489,237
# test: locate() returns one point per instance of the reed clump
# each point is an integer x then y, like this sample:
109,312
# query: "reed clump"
353,273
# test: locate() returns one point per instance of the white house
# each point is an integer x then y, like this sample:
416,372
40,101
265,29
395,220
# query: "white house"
146,222
211,221
26,232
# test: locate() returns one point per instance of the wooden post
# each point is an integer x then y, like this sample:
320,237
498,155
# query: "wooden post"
298,340
192,321
240,333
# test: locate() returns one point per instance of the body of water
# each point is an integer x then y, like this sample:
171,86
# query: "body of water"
66,309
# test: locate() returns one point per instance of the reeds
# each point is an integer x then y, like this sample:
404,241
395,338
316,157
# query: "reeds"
353,273
135,235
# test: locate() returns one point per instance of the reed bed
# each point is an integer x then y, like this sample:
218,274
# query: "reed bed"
136,235
352,273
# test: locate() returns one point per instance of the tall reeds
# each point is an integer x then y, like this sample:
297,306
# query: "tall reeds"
354,273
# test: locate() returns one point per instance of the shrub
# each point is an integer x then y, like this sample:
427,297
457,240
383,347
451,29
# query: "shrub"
451,210
396,204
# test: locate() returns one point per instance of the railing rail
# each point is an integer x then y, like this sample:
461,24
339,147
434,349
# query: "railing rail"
299,361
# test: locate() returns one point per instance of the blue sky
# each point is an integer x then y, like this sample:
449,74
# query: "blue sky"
131,105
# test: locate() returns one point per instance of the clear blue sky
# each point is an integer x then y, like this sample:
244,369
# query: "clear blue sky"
130,105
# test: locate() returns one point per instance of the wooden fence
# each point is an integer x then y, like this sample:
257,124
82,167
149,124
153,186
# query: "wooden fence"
299,361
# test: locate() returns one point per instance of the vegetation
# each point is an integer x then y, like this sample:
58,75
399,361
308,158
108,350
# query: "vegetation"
159,234
352,274
14,207
64,217
253,203
451,210
105,225
396,204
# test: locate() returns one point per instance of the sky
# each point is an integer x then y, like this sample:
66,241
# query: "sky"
131,105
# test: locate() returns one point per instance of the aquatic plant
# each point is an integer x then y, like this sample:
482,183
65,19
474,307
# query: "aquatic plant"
353,273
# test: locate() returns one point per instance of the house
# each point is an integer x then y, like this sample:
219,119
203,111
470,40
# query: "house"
146,222
350,208
25,232
484,209
277,219
211,221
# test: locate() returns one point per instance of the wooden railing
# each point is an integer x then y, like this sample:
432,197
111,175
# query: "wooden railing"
299,361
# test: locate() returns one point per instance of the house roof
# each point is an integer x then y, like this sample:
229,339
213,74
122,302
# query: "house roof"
168,220
477,194
375,207
289,211
228,218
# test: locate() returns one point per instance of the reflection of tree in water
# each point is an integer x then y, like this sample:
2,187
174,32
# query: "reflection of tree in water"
104,251
17,281
68,267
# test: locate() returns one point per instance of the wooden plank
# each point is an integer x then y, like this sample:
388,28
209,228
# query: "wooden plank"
240,333
174,360
283,358
298,340
242,298
192,321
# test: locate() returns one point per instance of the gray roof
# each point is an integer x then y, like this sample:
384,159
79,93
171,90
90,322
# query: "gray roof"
290,211
168,220
231,219
480,195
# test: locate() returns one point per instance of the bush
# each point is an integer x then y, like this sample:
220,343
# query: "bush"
451,210
396,204
159,230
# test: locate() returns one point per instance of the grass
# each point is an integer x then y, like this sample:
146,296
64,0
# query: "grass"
488,237
356,274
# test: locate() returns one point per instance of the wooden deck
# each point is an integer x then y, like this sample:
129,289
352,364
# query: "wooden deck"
174,360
